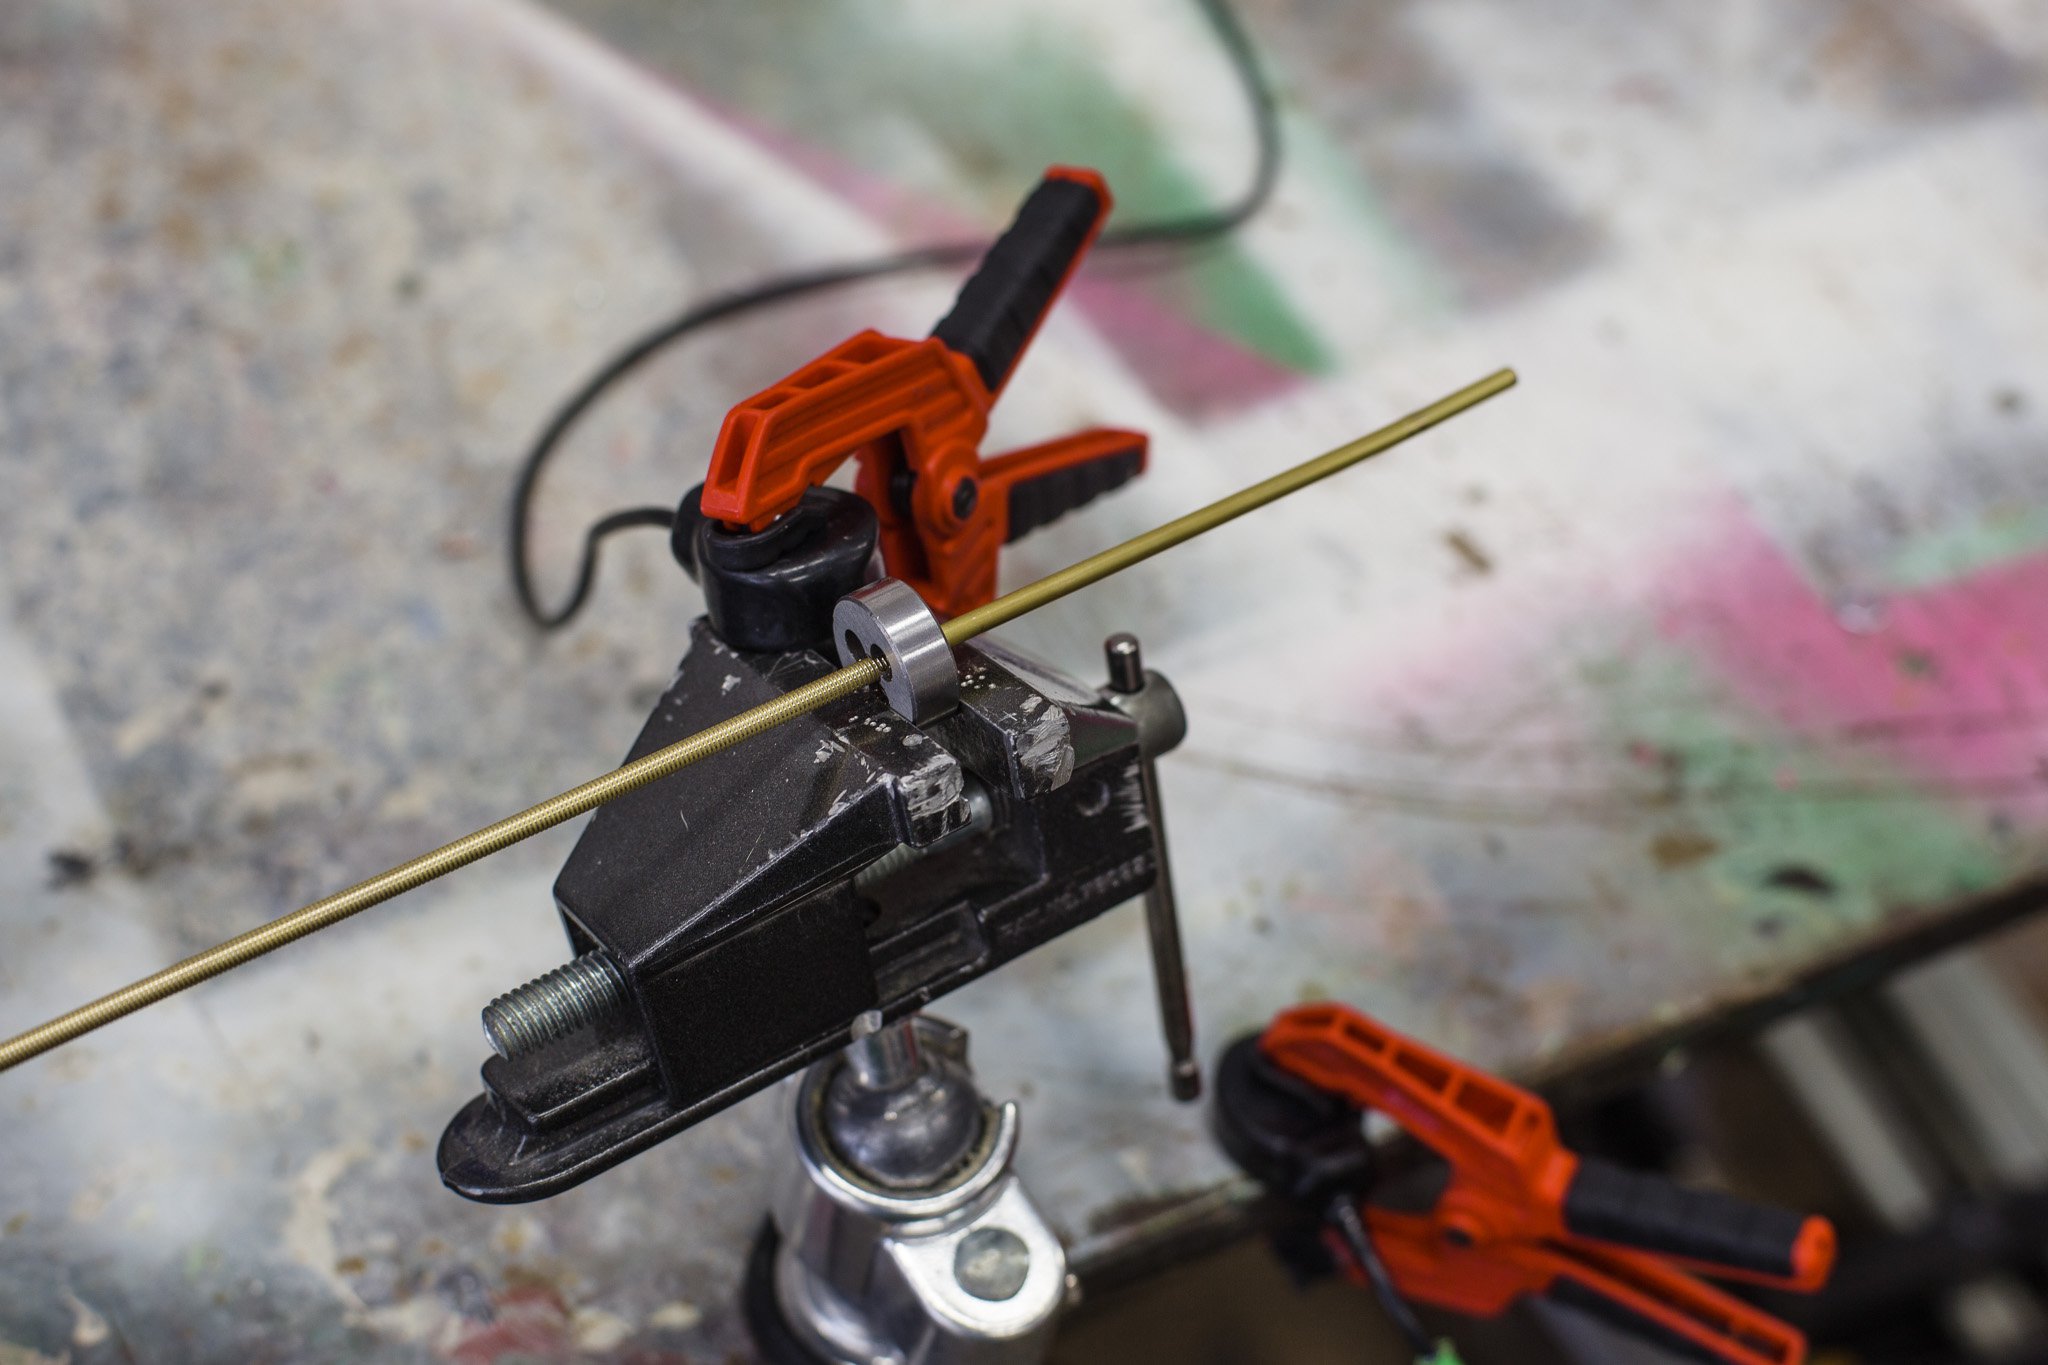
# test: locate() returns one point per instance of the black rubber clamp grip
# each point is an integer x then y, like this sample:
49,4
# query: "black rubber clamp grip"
1594,1304
1003,301
1037,502
1650,1213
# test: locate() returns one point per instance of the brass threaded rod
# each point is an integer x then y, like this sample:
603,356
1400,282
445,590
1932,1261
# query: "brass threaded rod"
589,796
1101,565
491,839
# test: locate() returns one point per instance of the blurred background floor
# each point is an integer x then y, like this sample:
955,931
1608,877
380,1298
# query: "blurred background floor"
1704,674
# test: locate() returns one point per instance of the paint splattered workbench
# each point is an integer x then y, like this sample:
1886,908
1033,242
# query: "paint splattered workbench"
1714,657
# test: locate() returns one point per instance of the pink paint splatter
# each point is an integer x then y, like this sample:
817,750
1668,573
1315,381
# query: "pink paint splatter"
527,1321
1953,678
1185,365
904,213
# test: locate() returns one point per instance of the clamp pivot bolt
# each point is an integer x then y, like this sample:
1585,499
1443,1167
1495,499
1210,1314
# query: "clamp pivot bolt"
966,497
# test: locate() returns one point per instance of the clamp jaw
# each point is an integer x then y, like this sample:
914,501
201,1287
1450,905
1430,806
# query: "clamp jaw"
733,922
1520,1214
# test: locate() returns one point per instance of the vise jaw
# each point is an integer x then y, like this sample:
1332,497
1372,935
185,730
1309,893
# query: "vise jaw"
732,922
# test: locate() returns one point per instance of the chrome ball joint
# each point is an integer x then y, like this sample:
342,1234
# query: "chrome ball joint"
898,1232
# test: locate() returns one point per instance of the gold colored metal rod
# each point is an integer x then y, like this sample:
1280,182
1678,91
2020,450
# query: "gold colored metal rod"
594,793
1117,558
443,860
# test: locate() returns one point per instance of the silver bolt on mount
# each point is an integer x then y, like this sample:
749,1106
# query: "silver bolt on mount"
992,1263
883,1056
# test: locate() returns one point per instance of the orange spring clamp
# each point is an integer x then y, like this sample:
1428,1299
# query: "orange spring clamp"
1520,1214
913,413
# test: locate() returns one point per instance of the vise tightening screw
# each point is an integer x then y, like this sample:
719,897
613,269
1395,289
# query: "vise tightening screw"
587,991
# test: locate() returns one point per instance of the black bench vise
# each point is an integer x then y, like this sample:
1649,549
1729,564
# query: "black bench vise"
732,922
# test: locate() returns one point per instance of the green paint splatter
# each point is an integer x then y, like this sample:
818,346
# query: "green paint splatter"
1941,555
201,1261
1076,114
269,265
1801,836
1917,663
1313,156
934,101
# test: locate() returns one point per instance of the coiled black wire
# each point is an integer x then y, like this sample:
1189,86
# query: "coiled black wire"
1191,230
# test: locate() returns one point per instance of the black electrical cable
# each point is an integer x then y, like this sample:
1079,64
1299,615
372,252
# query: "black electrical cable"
1175,232
1343,1213
586,572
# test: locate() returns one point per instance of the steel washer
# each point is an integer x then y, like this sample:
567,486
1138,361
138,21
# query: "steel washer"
887,621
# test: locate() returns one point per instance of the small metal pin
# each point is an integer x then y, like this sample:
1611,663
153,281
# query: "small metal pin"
1126,663
883,1056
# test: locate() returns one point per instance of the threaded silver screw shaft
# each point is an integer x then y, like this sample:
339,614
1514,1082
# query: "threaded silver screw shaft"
553,1006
